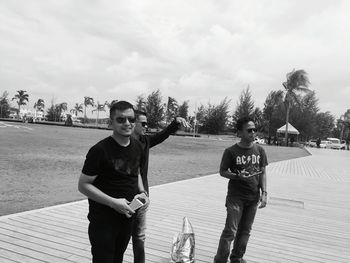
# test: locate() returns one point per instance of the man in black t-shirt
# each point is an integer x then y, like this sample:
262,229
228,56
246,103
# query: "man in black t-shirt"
110,179
244,164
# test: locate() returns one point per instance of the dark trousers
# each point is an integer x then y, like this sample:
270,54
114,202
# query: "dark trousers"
109,237
239,221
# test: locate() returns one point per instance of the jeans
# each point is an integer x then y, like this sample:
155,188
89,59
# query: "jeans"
139,234
109,237
239,221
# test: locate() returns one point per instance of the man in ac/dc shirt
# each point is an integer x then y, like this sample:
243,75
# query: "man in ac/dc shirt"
110,179
244,164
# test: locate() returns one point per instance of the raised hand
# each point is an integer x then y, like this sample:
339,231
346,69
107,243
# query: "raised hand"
182,122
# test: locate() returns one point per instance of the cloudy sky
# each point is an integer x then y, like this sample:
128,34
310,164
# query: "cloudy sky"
196,50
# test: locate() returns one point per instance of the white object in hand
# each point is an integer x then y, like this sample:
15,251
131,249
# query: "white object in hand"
135,204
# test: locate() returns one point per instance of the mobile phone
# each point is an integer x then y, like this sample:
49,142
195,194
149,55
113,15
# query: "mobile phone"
136,204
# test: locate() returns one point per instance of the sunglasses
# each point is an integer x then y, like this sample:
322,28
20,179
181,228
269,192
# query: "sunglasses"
144,123
251,130
123,119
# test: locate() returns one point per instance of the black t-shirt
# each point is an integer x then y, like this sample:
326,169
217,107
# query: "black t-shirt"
149,141
249,159
116,167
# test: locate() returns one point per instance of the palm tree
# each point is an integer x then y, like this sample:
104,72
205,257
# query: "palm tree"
87,101
62,107
297,82
39,106
21,99
109,104
99,107
77,108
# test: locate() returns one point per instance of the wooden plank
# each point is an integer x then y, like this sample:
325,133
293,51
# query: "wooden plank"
15,230
30,253
16,237
6,260
48,232
50,226
17,257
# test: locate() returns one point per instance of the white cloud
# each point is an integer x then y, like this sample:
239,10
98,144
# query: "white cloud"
123,90
197,50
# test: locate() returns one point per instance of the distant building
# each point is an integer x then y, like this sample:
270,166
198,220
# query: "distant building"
39,115
27,114
13,113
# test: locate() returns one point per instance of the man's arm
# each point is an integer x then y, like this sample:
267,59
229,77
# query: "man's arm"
226,160
262,183
142,192
262,178
170,129
140,186
86,187
227,174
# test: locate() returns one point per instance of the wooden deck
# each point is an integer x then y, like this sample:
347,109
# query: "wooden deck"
307,218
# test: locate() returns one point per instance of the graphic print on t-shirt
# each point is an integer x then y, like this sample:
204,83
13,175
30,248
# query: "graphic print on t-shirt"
247,160
251,163
121,165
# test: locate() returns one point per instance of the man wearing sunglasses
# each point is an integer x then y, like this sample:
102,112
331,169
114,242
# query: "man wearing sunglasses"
111,179
147,141
244,165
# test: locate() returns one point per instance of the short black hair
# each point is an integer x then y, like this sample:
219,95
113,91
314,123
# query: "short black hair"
242,121
121,106
140,113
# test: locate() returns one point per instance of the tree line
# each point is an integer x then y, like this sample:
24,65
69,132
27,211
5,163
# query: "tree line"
295,104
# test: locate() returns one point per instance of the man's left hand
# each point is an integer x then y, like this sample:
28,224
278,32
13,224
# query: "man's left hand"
182,122
263,200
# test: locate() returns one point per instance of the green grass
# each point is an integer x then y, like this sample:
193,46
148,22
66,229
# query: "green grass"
40,165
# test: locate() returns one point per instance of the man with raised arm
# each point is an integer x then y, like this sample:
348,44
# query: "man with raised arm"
147,141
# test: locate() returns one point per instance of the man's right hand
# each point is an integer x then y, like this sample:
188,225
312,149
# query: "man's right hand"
121,205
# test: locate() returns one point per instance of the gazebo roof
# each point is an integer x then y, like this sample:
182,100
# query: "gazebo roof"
291,129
